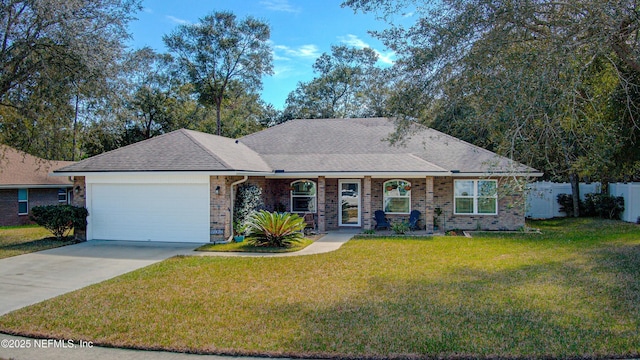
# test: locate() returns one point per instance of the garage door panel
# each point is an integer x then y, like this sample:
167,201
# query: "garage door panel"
155,212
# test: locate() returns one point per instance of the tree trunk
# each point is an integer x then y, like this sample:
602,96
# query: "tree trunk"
218,120
75,129
575,193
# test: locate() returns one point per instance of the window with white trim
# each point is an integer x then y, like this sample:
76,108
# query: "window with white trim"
23,201
303,196
62,196
475,197
396,196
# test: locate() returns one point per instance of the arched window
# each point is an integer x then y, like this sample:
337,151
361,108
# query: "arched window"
303,196
397,196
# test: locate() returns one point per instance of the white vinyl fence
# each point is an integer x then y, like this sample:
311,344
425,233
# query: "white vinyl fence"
631,194
542,197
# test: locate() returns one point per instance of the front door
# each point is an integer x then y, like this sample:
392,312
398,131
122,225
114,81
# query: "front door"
349,211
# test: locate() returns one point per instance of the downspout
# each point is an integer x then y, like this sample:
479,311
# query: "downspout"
232,203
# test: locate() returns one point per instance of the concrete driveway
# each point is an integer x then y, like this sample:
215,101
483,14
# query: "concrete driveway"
32,278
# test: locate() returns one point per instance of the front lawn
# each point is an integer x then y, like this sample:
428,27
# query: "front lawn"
573,291
18,240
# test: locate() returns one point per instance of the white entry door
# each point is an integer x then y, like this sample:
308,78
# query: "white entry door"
350,203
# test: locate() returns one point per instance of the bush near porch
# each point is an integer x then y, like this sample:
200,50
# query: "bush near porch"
572,291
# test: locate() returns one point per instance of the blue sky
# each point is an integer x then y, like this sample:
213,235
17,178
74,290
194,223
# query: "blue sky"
301,30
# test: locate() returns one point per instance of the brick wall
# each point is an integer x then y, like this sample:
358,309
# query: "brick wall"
510,209
79,198
426,194
9,204
418,199
9,209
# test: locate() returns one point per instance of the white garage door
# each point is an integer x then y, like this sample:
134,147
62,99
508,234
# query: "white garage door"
150,212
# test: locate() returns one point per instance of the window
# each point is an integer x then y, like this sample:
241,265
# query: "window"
475,197
303,196
23,201
397,197
62,196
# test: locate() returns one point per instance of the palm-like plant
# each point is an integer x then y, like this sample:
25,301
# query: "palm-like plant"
274,229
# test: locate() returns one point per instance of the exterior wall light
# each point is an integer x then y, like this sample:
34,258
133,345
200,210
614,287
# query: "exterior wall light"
218,190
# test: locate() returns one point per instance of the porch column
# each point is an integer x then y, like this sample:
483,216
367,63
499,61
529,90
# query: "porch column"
429,205
220,208
79,199
321,204
366,203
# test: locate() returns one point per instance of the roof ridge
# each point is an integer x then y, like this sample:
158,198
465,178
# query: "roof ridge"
186,132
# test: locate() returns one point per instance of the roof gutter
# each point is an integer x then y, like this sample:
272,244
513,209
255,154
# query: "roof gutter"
163,172
356,174
36,186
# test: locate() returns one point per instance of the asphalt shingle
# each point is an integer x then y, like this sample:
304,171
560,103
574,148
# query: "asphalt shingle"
18,168
315,145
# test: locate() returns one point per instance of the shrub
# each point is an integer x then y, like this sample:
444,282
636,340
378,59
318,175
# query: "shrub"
400,227
566,204
604,205
60,219
248,201
274,229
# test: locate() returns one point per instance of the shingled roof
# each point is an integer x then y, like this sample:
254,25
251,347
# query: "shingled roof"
180,150
19,169
305,146
345,145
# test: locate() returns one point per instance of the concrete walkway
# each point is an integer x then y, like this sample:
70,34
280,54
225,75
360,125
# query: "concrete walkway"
332,241
31,278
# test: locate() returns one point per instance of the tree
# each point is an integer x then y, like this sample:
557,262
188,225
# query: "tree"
523,71
348,85
48,49
220,50
149,94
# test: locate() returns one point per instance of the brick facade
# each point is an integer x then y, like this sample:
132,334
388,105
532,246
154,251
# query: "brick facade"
426,194
511,214
36,197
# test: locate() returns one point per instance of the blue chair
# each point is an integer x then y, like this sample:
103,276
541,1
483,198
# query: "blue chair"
381,220
414,217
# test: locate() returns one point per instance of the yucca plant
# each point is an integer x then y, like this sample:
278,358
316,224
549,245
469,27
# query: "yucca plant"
274,229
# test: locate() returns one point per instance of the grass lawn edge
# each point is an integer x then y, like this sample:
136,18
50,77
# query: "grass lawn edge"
315,355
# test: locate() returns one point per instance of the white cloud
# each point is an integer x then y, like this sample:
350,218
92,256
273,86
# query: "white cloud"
280,5
407,15
304,51
353,40
282,71
147,10
178,20
356,42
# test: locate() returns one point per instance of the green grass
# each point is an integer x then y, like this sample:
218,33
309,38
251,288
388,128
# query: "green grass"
245,247
18,240
573,291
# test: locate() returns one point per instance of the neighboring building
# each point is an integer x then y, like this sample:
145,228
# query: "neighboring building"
25,182
179,186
